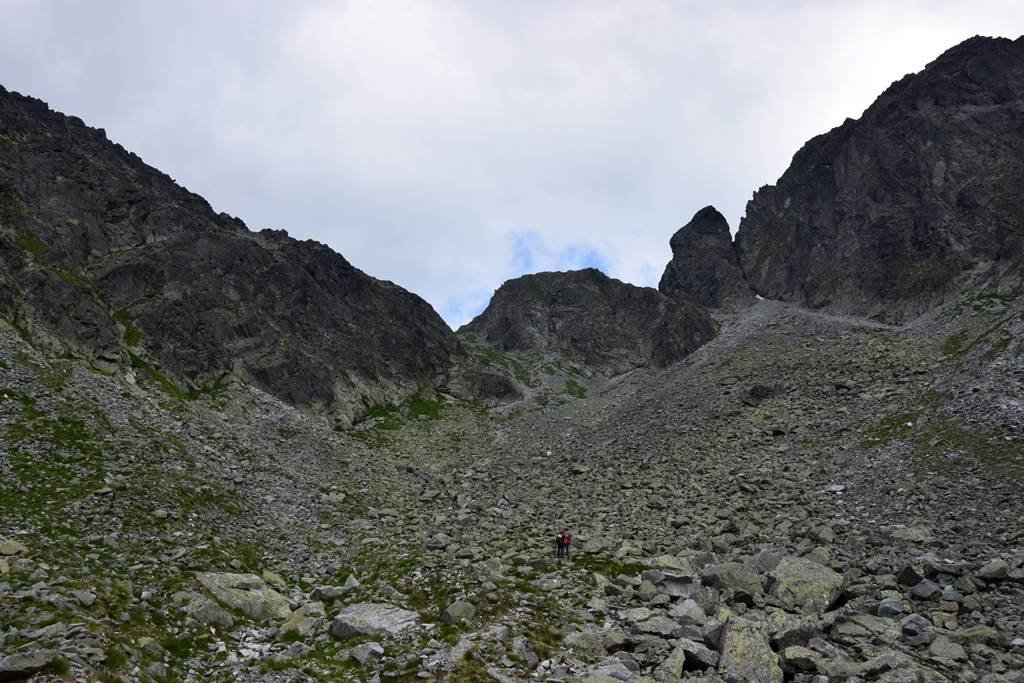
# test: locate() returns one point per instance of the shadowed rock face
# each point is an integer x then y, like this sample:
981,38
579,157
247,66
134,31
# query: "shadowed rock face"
704,267
587,317
102,255
884,215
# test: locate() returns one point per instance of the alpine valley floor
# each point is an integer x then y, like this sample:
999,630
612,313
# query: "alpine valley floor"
806,498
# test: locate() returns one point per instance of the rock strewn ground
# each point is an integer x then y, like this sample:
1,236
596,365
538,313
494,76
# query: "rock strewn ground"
807,495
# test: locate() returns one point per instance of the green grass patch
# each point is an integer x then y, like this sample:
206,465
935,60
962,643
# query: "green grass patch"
574,388
116,659
214,390
167,385
43,483
538,629
956,344
608,567
132,334
987,446
469,670
418,407
31,245
892,428
386,415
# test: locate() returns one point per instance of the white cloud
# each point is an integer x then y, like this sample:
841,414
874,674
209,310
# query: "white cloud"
419,138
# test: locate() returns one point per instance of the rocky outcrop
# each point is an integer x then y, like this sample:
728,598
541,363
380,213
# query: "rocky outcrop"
247,593
887,214
590,318
705,267
373,619
105,257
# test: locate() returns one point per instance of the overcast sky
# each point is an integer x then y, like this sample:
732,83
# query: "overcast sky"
449,146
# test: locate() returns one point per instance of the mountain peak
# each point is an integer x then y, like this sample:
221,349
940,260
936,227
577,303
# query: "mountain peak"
105,257
704,267
590,318
890,214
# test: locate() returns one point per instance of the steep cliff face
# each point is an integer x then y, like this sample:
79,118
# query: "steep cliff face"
889,214
105,257
705,267
589,318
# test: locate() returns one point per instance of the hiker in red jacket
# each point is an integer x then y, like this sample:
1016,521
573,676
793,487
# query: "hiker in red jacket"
563,540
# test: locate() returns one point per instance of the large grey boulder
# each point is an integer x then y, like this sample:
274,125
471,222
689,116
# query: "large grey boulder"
671,668
10,547
304,621
22,665
733,576
459,612
206,611
373,619
745,653
804,585
246,593
993,570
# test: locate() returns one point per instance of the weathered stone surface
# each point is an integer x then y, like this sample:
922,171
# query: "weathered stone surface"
882,215
943,648
208,612
247,593
734,576
274,580
671,668
892,608
797,658
659,625
698,654
746,654
367,653
588,644
11,547
805,585
705,268
22,665
459,612
592,319
688,612
373,619
994,570
304,621
328,593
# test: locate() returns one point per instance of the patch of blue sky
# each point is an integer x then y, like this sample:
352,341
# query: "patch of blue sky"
459,310
532,253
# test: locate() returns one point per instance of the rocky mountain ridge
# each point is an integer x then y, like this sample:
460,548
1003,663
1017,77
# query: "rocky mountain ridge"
892,213
587,317
103,256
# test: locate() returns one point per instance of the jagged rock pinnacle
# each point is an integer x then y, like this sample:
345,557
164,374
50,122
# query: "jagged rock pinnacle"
704,266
